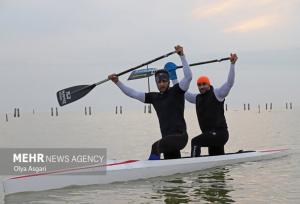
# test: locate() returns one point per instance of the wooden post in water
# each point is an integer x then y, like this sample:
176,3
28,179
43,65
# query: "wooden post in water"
149,109
6,118
266,106
226,107
244,106
248,106
52,114
18,112
286,106
85,110
291,105
56,111
145,109
121,110
116,110
90,110
15,112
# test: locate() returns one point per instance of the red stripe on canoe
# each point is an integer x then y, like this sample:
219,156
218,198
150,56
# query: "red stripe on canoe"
273,150
80,168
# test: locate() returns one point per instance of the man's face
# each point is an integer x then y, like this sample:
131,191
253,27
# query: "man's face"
203,87
163,85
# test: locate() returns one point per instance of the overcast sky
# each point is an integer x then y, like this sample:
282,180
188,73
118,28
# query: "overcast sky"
53,44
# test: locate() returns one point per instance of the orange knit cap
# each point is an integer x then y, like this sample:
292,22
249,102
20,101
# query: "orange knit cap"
203,79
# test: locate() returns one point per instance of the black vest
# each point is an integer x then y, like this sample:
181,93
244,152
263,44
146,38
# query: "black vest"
210,112
169,107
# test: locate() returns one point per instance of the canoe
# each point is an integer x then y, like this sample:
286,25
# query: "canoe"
127,170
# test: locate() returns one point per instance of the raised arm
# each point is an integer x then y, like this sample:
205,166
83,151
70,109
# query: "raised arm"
171,68
184,83
127,90
224,90
190,97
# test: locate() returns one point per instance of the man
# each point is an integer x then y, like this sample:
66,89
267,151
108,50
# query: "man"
210,113
169,106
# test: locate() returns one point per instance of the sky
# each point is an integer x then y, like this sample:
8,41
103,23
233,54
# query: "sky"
49,45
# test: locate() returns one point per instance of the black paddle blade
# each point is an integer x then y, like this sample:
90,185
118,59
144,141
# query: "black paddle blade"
72,94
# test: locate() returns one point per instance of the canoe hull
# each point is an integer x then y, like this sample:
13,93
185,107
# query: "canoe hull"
118,171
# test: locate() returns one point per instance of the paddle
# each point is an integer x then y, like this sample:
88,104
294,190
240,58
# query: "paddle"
143,73
71,94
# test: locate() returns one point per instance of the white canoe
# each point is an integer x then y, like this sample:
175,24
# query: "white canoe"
117,171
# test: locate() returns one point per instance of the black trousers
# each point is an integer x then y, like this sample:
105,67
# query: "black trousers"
170,146
214,140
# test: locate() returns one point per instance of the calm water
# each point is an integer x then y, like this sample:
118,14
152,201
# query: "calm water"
130,137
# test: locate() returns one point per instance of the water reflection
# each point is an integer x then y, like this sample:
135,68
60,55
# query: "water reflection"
205,187
212,186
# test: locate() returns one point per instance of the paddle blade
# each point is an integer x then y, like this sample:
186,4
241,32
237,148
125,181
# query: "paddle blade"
141,73
72,94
